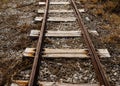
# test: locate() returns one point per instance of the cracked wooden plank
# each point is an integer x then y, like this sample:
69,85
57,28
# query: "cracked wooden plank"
65,53
57,19
60,11
55,3
41,83
36,33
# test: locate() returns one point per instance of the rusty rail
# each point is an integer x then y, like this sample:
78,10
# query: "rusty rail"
38,55
92,51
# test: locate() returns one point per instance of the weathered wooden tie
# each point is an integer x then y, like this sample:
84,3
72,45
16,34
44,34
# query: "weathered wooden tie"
36,33
55,3
40,83
60,11
65,53
57,19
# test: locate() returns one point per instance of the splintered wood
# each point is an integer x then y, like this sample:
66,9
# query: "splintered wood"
57,19
40,83
64,53
60,11
36,33
55,3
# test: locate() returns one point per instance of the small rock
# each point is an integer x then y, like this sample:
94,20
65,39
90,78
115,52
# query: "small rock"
87,18
52,77
74,81
23,72
45,79
86,71
27,76
13,84
113,79
91,76
59,64
75,78
69,80
85,78
113,70
61,81
80,77
66,46
28,71
115,73
93,80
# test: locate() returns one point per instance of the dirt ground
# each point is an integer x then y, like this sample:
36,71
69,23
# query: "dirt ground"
16,22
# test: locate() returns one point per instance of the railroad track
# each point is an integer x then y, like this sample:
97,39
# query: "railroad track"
39,52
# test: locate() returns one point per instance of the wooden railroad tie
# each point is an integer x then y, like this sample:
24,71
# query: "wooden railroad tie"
65,53
57,19
55,3
25,83
36,33
60,11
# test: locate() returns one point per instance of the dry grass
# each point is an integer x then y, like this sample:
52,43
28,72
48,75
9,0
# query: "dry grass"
24,28
106,27
100,7
3,2
115,19
94,1
108,6
83,1
113,28
113,37
99,12
104,9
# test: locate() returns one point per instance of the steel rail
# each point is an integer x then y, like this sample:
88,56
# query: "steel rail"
38,55
92,51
